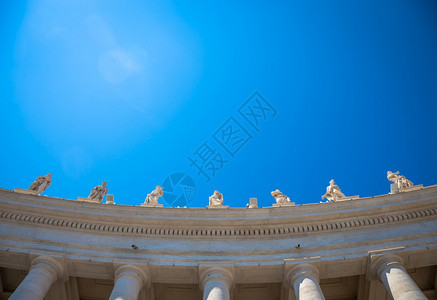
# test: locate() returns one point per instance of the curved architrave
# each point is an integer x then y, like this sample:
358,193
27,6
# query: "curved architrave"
258,241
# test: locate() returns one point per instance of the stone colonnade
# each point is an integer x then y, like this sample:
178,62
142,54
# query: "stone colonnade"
217,282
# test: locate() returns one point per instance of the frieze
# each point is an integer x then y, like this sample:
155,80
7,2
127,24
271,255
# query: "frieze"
174,232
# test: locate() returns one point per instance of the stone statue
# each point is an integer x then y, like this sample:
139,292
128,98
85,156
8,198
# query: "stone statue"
98,192
400,180
41,183
153,197
216,199
333,192
280,197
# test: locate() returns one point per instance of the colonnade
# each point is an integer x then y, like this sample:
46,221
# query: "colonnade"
216,282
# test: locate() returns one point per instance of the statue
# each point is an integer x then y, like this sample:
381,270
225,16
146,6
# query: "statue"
41,183
333,192
400,180
98,192
216,199
280,197
152,198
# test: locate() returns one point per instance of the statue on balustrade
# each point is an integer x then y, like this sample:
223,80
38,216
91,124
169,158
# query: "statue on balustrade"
153,197
98,192
41,183
216,199
280,197
400,180
333,192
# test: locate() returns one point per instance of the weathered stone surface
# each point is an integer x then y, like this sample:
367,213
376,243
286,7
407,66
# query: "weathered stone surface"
281,199
255,242
216,200
152,198
41,183
389,269
43,272
98,192
333,193
253,203
400,183
110,199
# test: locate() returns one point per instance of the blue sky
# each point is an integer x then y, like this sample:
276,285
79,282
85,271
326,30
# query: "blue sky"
127,91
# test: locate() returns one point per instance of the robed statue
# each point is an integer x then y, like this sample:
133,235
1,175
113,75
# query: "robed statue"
400,180
98,192
41,183
153,197
333,192
280,197
216,199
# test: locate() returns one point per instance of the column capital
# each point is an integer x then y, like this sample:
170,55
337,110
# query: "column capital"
296,268
378,263
220,273
300,270
49,264
378,257
134,272
389,269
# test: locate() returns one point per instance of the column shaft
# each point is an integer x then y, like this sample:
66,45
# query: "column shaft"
216,289
129,280
35,286
126,288
307,288
304,278
43,273
216,283
400,285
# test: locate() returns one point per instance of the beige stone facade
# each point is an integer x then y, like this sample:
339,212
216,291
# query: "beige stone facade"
380,247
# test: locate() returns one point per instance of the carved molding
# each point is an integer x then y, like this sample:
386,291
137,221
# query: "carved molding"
296,268
302,270
49,264
379,262
220,273
173,232
134,272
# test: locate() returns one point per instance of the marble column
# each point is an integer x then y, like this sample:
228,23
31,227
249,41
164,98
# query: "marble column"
216,283
390,271
44,271
304,278
129,280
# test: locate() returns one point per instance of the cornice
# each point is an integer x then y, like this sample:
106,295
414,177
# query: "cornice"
257,231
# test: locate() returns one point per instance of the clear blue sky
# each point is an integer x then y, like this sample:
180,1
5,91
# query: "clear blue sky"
127,91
